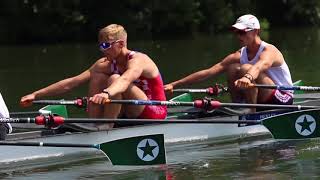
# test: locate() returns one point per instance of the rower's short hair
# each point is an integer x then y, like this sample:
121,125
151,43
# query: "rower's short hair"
113,32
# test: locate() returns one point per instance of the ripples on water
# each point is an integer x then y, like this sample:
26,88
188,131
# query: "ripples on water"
247,160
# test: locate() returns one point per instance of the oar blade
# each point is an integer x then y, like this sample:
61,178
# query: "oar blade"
136,151
60,110
295,125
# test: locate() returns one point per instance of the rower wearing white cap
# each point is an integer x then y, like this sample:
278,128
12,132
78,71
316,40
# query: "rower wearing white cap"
256,62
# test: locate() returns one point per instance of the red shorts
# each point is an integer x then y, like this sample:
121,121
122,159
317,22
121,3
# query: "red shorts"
280,97
153,112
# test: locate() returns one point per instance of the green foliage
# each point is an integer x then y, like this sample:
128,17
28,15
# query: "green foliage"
37,21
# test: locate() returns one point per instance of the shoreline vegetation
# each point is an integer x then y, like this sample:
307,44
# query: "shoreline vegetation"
48,21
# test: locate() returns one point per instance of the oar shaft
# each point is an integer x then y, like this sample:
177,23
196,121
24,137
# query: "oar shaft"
217,104
79,102
58,120
215,90
304,88
191,90
151,102
159,121
55,102
17,120
44,144
24,113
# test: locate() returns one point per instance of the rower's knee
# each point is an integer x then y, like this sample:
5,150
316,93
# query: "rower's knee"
112,79
233,69
98,80
244,68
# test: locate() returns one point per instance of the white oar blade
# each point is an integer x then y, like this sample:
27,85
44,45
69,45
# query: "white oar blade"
136,151
295,125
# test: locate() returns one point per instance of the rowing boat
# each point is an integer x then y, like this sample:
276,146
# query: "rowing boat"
173,134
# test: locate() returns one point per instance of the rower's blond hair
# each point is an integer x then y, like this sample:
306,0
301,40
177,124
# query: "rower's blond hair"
113,32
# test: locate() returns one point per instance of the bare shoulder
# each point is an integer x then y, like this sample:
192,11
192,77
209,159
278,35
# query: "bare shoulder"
101,65
273,53
271,47
233,57
144,62
141,58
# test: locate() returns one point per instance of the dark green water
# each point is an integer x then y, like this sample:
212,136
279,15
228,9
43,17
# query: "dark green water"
29,67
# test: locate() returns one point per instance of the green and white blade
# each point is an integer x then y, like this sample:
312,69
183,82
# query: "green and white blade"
294,125
60,110
136,151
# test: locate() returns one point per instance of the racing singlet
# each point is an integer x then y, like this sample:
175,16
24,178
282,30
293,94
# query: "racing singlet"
154,90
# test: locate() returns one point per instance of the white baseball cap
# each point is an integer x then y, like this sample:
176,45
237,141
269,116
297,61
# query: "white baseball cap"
247,23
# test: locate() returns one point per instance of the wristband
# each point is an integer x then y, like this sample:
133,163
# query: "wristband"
248,76
105,91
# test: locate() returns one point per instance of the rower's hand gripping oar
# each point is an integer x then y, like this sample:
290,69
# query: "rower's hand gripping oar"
132,151
303,88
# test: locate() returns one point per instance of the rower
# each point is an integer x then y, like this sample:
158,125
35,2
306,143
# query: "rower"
256,62
5,128
130,75
119,73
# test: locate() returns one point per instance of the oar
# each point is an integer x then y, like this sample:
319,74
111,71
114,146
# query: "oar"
291,125
58,120
212,91
79,102
24,113
205,104
139,150
303,88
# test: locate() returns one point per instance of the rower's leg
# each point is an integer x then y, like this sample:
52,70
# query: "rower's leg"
96,85
233,73
109,110
255,95
112,110
264,94
250,94
133,92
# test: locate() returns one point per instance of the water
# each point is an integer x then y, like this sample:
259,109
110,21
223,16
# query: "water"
247,160
26,68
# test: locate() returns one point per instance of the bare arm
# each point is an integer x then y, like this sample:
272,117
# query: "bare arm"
265,61
210,72
133,72
63,86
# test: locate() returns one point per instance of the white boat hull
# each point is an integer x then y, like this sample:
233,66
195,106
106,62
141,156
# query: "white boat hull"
173,133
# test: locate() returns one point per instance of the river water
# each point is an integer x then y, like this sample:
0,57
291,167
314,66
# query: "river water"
25,68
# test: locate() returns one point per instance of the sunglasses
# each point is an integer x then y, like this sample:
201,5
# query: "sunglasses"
241,32
106,45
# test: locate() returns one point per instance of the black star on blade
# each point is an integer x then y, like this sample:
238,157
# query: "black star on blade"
147,149
305,124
